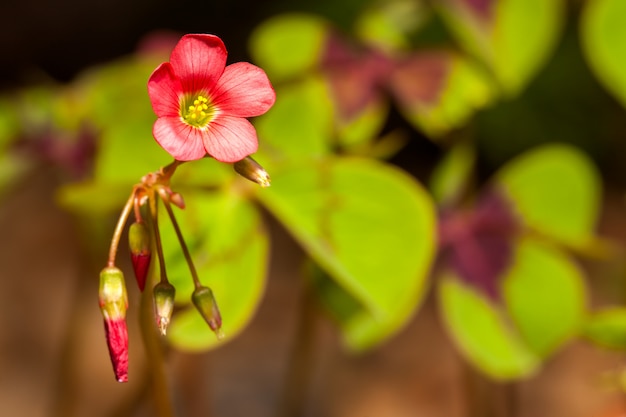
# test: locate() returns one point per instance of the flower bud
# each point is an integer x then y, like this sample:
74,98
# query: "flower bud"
113,305
177,200
204,301
250,169
163,297
140,254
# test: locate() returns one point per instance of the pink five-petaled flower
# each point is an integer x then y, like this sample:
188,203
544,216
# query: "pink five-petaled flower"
202,104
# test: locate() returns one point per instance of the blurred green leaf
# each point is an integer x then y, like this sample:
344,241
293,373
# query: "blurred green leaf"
545,295
300,123
607,328
370,227
514,38
603,36
453,175
12,168
120,108
364,128
229,247
92,198
288,45
204,174
385,25
556,189
9,122
482,332
465,88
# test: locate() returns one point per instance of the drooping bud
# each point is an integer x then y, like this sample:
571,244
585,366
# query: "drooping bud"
113,305
252,170
163,298
204,301
177,200
140,253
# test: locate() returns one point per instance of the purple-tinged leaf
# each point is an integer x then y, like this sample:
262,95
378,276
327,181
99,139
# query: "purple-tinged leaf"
478,244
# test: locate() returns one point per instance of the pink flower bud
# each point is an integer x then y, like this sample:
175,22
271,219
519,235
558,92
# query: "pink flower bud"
113,305
204,301
140,253
163,297
177,200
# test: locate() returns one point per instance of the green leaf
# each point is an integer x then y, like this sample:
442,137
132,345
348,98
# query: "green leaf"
513,40
229,247
556,190
300,123
607,328
482,332
118,102
452,176
370,227
464,90
358,133
288,45
386,25
545,295
12,167
9,122
603,37
92,197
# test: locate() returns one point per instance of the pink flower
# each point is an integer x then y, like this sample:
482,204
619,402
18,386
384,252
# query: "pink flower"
202,104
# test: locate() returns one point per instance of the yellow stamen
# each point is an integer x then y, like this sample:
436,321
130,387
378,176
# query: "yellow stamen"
200,113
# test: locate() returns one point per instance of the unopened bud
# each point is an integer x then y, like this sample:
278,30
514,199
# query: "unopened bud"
163,297
252,170
204,301
177,200
113,305
140,252
112,293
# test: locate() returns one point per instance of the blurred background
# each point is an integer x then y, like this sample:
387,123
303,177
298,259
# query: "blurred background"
447,95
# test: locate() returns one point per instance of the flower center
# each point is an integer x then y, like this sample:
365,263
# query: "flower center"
197,111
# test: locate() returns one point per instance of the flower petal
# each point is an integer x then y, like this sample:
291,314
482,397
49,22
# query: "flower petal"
230,139
198,61
165,91
117,341
243,91
180,140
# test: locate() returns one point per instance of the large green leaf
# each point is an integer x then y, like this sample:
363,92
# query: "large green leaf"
545,295
514,38
556,190
300,123
370,227
604,36
229,247
482,331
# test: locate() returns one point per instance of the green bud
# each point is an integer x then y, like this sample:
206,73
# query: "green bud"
139,238
112,293
163,297
140,255
204,301
252,170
